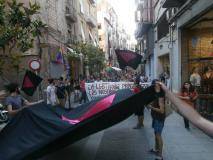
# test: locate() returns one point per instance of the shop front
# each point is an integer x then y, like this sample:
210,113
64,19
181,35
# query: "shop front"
197,60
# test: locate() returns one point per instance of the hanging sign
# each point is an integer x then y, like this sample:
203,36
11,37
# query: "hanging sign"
35,64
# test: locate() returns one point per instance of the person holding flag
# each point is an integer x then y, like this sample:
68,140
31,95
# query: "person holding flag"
15,102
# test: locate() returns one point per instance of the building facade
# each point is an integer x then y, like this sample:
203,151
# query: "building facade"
191,33
144,17
112,34
107,30
68,21
182,37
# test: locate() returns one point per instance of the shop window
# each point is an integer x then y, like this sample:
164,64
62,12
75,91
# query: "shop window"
99,26
200,56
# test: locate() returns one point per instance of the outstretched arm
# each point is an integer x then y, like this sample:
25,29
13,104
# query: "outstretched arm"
188,112
27,103
12,112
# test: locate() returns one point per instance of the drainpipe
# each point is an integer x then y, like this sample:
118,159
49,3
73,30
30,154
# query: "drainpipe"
170,46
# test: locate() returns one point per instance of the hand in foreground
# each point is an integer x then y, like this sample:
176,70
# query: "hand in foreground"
40,101
162,85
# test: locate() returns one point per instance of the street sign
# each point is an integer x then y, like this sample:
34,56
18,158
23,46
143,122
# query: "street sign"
35,64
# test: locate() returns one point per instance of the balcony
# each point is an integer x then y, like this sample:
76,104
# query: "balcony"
71,14
92,1
91,21
173,3
142,29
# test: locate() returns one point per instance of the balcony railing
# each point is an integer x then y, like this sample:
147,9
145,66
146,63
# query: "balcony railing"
173,3
71,14
72,39
90,21
92,1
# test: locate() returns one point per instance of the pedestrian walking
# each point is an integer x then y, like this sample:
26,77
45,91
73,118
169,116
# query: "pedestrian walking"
189,95
140,108
61,92
83,90
158,118
51,93
68,90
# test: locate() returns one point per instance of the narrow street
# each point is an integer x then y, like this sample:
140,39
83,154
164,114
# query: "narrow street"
70,68
121,142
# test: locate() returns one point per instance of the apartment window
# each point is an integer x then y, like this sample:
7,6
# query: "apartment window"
99,26
99,39
82,32
81,6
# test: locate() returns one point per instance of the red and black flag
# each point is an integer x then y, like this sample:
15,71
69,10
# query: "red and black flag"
128,58
30,83
49,130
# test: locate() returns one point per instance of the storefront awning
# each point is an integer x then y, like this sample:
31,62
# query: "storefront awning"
142,29
173,3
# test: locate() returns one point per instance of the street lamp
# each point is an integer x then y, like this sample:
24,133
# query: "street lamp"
86,66
81,63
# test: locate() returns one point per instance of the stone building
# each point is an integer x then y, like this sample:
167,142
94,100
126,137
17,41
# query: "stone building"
144,17
112,34
68,21
182,38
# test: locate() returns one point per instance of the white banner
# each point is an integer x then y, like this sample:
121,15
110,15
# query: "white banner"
100,89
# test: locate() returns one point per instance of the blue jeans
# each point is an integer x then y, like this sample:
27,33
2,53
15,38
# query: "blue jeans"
157,126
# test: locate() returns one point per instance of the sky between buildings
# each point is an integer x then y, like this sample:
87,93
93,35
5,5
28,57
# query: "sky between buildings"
126,14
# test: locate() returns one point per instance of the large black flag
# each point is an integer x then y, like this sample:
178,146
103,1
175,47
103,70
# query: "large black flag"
30,83
41,129
128,58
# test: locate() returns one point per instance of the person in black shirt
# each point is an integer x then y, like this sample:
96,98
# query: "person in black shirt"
140,108
61,92
158,117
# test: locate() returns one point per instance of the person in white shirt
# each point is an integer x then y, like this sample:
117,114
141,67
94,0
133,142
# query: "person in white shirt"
51,93
195,78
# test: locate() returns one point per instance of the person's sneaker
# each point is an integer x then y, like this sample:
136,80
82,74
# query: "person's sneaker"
188,128
152,151
137,127
159,158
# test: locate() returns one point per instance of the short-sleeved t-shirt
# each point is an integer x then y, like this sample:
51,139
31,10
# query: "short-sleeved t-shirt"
51,93
15,101
155,104
60,91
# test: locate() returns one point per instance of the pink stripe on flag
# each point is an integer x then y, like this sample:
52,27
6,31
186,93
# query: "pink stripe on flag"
98,107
